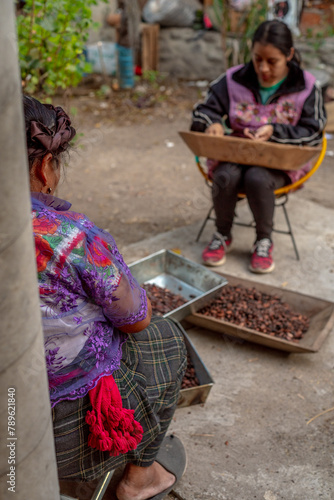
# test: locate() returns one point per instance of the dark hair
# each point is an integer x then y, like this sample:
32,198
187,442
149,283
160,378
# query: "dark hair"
48,129
278,34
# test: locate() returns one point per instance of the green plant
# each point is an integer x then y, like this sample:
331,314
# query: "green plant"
51,38
153,77
330,31
103,92
309,33
249,21
315,38
254,13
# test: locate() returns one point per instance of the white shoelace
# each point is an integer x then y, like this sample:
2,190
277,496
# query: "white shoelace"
262,247
218,240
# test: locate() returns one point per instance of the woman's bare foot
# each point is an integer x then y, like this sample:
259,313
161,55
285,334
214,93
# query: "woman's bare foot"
141,483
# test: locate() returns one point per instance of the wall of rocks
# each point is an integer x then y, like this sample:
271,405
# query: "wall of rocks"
190,55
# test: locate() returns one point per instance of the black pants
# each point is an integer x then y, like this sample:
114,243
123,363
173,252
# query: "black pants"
258,183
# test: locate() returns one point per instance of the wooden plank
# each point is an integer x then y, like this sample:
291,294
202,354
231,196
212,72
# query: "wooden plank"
145,63
150,47
330,116
156,31
249,152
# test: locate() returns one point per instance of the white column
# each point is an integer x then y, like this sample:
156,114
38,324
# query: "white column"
27,457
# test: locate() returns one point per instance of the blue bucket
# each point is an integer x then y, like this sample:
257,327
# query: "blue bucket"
125,67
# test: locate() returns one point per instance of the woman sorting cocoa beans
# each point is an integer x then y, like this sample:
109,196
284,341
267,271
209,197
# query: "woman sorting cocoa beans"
114,371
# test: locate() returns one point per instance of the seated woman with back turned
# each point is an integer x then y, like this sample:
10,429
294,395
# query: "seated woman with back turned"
268,99
114,373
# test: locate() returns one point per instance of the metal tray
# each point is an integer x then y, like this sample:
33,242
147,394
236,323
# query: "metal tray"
320,312
198,394
170,270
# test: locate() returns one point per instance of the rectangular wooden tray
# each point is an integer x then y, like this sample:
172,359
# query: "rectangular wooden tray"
248,152
320,313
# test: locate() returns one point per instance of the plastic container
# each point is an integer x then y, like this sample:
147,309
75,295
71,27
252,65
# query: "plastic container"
125,67
102,56
171,13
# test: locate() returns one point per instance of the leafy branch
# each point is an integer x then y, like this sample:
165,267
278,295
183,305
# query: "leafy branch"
237,35
51,39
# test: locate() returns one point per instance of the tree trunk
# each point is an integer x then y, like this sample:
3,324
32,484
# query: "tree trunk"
27,457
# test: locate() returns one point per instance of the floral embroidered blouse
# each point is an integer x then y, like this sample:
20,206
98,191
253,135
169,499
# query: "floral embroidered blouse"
86,290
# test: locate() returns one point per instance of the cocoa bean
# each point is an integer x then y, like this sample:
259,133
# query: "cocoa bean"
162,299
189,378
261,312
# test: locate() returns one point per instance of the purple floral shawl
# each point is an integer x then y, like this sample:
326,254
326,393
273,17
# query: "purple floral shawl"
86,290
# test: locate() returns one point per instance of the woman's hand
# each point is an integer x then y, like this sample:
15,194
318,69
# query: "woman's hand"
261,134
215,129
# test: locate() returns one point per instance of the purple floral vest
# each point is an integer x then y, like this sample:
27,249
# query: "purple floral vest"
246,112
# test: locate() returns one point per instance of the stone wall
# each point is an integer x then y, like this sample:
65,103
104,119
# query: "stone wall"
194,55
191,55
186,55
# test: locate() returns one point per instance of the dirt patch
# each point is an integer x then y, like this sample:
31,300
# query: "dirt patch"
130,172
97,102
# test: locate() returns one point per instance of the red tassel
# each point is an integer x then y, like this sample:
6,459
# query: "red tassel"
90,417
127,419
114,415
112,428
132,443
104,444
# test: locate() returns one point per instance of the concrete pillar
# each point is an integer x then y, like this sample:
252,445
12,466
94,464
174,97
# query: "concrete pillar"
27,458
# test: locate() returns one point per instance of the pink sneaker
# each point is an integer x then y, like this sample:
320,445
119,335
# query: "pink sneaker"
261,260
214,253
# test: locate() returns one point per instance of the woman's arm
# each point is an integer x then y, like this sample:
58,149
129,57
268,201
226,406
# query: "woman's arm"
311,124
140,325
107,282
213,108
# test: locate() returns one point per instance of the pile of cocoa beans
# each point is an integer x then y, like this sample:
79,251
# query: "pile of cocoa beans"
189,379
262,312
162,299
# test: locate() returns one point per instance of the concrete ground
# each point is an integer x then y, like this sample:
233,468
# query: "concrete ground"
252,439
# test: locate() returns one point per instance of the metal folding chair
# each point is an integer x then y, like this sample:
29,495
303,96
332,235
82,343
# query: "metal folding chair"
99,490
281,194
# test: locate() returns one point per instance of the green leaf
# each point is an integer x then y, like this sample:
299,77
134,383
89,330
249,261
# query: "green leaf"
51,39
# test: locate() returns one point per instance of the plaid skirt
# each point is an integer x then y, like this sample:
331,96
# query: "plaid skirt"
149,380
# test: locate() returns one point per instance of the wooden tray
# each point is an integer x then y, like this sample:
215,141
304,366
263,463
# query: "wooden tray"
248,152
320,312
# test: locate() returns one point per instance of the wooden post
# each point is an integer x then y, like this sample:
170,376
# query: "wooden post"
150,46
27,459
